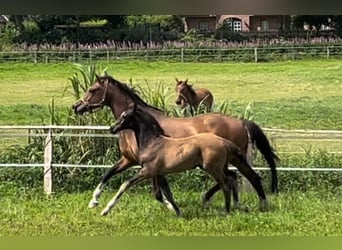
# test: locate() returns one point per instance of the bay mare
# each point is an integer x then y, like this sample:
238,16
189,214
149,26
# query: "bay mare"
195,98
107,91
159,154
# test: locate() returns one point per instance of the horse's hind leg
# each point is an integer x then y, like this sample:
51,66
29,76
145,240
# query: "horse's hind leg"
166,194
241,163
120,166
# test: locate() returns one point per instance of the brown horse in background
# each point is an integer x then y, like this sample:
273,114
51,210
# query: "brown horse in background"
107,91
187,95
159,154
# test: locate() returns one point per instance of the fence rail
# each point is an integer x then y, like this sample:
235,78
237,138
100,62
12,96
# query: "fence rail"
251,54
50,133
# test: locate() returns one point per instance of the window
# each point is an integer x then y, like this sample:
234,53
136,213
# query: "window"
265,25
237,26
203,26
233,24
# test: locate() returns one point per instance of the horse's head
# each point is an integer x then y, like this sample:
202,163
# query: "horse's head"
182,93
94,98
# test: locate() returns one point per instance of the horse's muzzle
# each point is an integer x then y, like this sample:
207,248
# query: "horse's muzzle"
115,128
112,129
80,107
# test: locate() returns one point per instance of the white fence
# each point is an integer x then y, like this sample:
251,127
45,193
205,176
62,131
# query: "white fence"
49,133
176,54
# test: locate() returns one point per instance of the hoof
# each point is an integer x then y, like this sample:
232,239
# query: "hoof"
93,204
264,207
205,202
104,212
224,213
241,208
179,214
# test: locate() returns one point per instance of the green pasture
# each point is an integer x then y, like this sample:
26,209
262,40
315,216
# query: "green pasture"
243,82
289,95
28,212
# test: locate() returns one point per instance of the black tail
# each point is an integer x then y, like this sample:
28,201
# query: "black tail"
262,143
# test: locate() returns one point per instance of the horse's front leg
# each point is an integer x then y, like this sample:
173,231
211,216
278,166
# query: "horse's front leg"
120,166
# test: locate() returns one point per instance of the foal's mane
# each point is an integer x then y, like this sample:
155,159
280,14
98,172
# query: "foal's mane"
151,124
131,92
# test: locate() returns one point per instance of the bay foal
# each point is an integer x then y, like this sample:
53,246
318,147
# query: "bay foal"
159,154
195,98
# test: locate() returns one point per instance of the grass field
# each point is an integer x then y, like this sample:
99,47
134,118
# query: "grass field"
30,213
292,94
300,94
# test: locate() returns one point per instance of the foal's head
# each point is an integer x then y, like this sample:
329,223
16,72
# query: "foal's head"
139,121
183,90
95,97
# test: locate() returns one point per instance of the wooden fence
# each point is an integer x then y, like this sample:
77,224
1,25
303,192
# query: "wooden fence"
49,134
246,54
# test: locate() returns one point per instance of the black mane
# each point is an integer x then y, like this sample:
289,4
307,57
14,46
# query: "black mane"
150,123
131,92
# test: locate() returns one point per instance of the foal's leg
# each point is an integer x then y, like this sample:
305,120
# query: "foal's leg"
221,178
163,193
126,185
120,166
233,185
157,190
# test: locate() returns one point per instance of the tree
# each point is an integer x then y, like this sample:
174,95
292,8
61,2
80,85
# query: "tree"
18,21
314,22
113,20
163,22
337,21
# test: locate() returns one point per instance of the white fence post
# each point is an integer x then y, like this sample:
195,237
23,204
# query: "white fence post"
182,55
256,54
48,163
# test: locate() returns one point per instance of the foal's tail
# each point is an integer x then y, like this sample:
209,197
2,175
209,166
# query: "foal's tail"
259,138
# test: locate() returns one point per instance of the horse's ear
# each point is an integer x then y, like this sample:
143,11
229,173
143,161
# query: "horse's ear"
177,80
135,107
98,78
186,81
